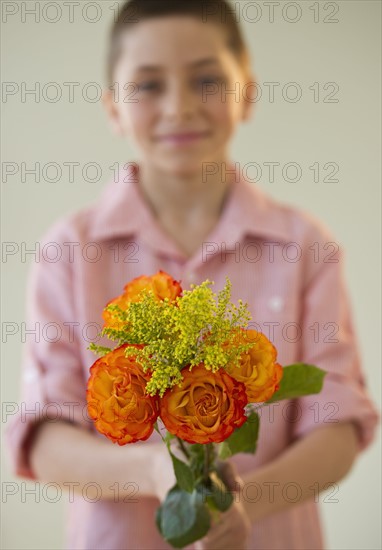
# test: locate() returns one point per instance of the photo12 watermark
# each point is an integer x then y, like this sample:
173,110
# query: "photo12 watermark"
69,252
289,411
250,12
271,251
67,171
52,332
28,492
271,171
271,92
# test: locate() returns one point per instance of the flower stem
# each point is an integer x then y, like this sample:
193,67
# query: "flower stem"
183,447
208,455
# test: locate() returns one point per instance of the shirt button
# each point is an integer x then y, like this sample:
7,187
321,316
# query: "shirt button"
276,303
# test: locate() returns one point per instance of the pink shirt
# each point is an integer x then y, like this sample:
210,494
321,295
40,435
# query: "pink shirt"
282,261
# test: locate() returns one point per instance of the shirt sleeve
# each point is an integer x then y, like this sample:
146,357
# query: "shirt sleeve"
53,385
330,342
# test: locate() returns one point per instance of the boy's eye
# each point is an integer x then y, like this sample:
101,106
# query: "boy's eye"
148,86
155,86
210,80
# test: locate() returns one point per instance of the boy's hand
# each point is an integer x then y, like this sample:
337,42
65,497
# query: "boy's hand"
232,529
227,471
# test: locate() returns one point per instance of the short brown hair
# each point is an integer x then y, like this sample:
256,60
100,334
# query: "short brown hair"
209,11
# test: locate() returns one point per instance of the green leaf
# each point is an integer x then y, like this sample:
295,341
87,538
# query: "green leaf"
197,453
100,350
183,518
183,473
243,439
167,438
298,380
158,518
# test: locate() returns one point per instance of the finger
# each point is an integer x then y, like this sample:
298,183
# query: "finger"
223,539
228,473
224,543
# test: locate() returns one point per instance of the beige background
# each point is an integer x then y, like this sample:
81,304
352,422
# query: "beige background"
346,133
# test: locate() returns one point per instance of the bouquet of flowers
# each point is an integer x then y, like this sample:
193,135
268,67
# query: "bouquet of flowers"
186,358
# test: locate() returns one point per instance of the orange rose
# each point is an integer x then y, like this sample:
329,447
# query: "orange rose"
162,285
257,368
110,317
206,409
116,398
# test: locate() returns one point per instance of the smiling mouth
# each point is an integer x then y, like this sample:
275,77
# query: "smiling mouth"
183,138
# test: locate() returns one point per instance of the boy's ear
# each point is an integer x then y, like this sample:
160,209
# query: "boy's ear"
249,97
112,112
247,111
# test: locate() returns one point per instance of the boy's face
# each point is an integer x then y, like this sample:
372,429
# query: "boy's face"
173,79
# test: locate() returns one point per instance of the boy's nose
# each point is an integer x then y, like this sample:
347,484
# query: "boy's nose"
179,102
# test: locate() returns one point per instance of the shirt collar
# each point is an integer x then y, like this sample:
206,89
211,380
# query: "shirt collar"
122,211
